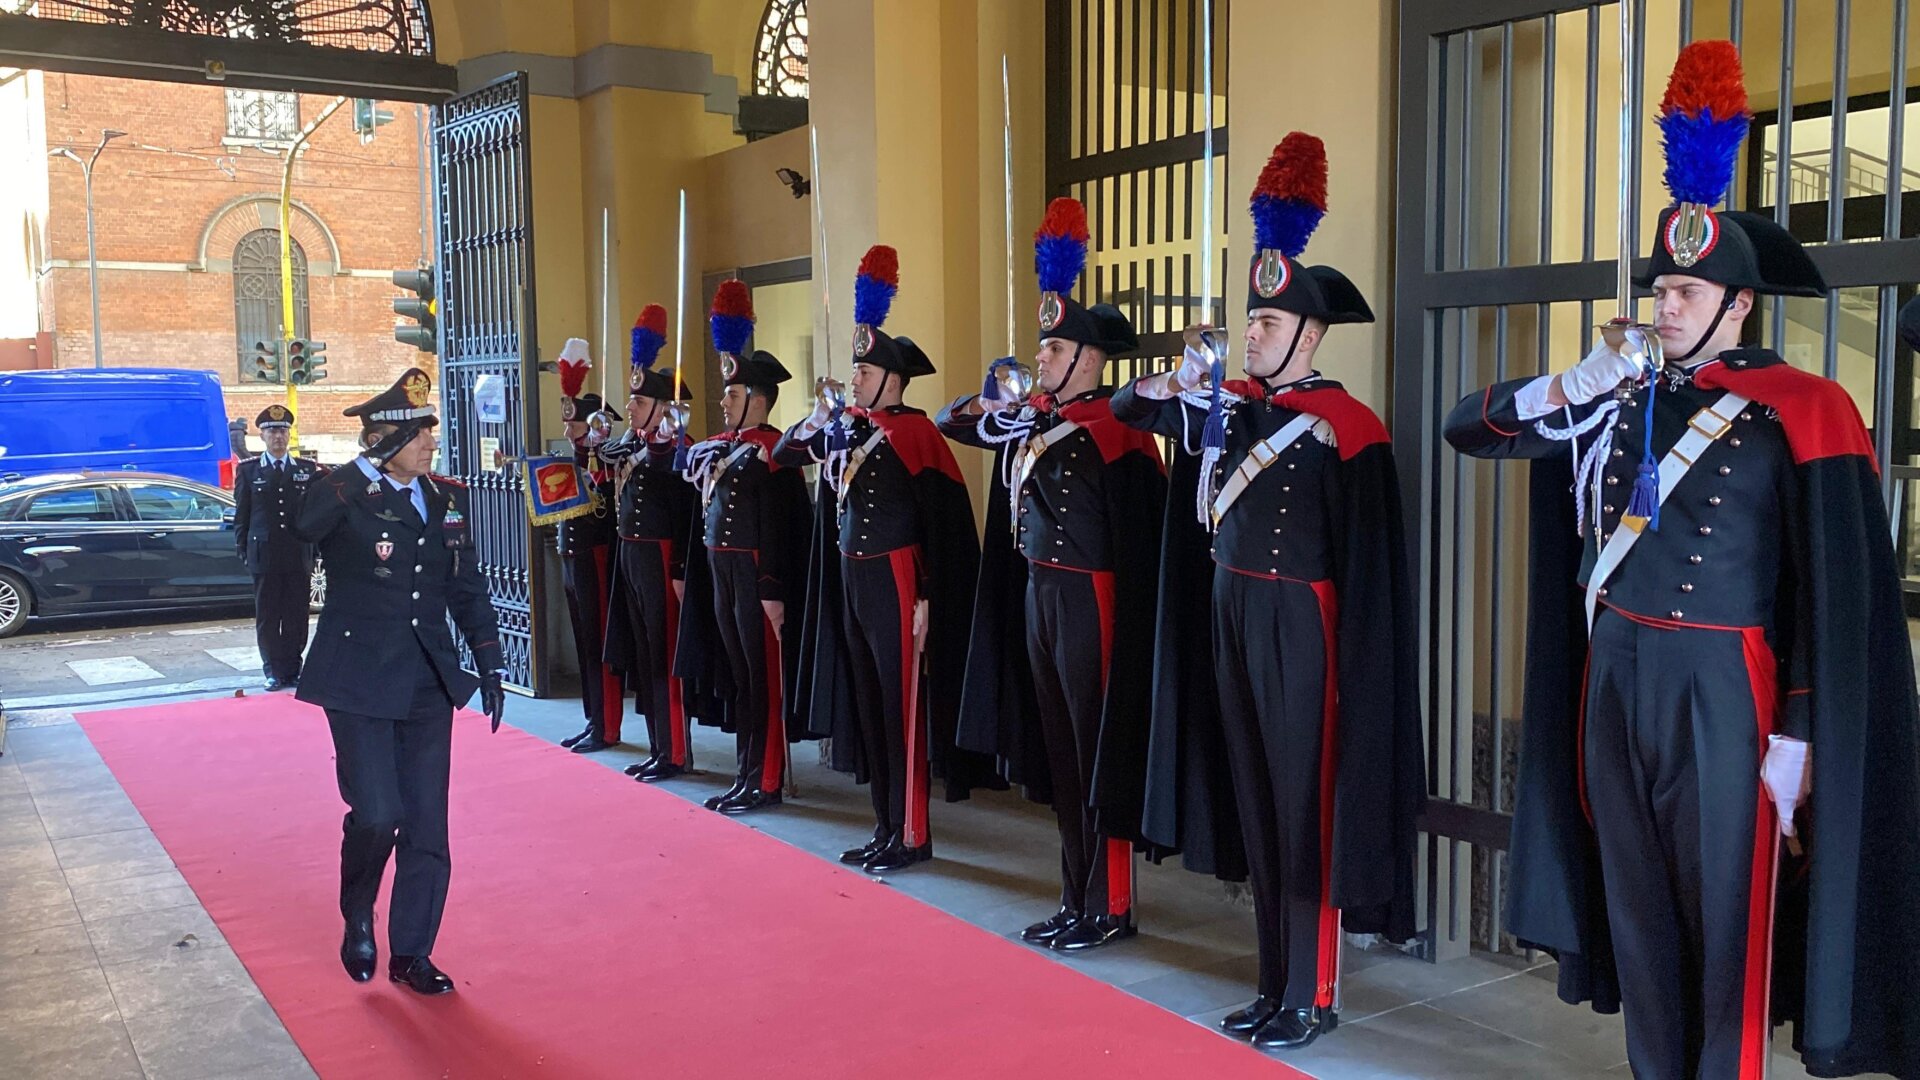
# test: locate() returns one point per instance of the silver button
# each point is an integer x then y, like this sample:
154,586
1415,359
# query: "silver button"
1686,587
1608,508
415,622
1276,532
1059,543
1053,560
416,568
346,633
1292,465
1621,426
1603,590
1725,471
1677,615
421,542
1694,559
1275,551
416,596
1619,453
1286,487
1746,416
1706,530
1613,481
1734,441
383,536
1714,501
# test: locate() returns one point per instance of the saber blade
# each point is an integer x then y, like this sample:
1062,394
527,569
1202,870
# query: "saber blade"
680,308
1629,103
826,266
606,299
1206,164
1006,144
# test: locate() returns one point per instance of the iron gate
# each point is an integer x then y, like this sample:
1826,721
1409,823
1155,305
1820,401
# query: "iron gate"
1506,225
1124,136
483,183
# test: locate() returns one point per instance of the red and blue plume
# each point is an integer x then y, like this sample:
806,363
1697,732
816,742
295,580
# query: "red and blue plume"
874,289
649,336
1290,197
1702,120
1060,246
732,317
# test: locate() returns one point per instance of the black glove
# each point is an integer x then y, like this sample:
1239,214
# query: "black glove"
493,698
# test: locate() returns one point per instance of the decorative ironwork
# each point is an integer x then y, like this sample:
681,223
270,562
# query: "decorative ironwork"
257,311
484,171
396,27
780,51
263,115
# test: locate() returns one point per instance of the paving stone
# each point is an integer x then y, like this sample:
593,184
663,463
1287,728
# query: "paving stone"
130,896
182,978
223,1038
153,933
27,955
111,856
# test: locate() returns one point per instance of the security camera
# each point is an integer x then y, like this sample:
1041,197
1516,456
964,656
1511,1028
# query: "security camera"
799,185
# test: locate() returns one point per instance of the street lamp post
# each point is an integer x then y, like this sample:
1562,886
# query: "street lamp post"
107,135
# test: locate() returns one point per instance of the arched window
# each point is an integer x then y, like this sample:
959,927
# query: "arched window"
257,306
780,52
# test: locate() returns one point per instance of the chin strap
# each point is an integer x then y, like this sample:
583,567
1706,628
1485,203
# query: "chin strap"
1727,298
1072,367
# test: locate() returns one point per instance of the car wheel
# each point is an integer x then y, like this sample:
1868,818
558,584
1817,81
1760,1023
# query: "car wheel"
15,604
317,588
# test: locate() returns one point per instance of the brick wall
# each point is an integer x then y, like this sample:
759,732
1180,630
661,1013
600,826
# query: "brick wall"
175,184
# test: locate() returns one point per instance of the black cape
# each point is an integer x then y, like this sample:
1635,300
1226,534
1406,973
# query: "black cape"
1847,923
702,659
624,640
950,552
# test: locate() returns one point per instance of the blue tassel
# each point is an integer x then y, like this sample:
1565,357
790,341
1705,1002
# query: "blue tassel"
680,455
838,438
1214,435
1644,503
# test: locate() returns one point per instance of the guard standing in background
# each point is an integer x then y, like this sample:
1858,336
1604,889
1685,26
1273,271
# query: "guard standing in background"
267,491
587,552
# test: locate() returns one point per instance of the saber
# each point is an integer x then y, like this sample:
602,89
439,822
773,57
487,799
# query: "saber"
1207,337
1625,333
600,423
680,308
1006,174
825,389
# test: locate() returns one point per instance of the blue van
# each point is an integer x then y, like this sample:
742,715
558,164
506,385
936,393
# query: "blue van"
160,420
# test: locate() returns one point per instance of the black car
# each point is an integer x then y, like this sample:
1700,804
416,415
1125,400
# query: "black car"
74,543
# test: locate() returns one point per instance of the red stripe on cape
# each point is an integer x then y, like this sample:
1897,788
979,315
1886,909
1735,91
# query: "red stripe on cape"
914,436
1355,427
1113,438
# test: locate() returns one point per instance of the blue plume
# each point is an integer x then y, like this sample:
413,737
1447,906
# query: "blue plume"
872,299
1284,224
1701,153
730,333
1060,246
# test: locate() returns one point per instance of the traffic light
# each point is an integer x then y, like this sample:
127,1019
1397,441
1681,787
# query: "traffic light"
264,363
422,307
306,361
367,115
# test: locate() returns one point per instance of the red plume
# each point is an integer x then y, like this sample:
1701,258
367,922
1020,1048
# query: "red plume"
882,264
1707,77
732,298
653,317
1297,170
1065,217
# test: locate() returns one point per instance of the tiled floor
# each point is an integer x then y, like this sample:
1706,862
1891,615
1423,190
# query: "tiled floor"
110,968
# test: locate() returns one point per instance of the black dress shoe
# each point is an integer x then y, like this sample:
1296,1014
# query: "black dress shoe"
1092,932
1244,1022
358,954
897,856
274,684
1046,929
1291,1029
750,800
658,771
592,744
418,974
859,855
637,769
571,739
728,795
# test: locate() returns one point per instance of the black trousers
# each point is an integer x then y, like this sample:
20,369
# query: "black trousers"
393,776
1069,638
881,591
281,601
653,611
1675,726
587,577
1271,662
753,656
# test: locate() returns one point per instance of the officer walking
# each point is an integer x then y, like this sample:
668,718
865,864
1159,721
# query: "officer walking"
267,491
400,559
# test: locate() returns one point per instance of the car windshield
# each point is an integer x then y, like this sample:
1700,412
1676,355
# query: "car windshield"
164,502
93,503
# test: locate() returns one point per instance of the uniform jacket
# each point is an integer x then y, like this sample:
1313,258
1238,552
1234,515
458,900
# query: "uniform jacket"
266,506
392,583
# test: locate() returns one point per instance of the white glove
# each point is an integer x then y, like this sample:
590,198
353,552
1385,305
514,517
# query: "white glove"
664,431
1195,368
817,419
1598,374
1787,771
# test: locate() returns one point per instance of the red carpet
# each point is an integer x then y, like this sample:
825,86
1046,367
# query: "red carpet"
597,928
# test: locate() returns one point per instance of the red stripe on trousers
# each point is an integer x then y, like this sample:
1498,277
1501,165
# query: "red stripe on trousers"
1756,1033
906,579
676,708
1119,852
776,752
612,694
1328,976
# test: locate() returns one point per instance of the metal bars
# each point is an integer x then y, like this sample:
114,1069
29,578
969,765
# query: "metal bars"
483,174
1124,137
1468,311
